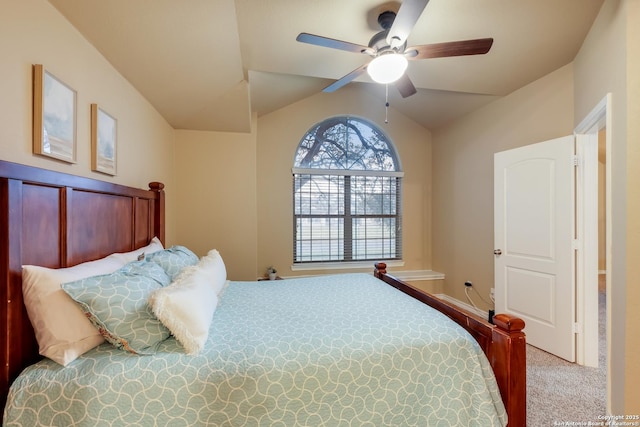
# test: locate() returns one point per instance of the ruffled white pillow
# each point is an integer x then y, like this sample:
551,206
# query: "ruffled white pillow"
213,266
186,308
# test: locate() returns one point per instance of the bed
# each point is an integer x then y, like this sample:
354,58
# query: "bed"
353,349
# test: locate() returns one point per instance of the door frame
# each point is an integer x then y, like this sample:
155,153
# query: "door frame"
586,245
586,133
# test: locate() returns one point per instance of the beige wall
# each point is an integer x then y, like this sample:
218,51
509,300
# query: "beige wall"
216,195
608,63
463,174
234,190
279,134
548,108
195,166
33,32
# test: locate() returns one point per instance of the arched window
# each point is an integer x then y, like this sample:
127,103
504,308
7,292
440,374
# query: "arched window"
347,188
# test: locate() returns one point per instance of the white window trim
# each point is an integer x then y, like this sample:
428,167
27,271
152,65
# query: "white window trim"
346,172
321,265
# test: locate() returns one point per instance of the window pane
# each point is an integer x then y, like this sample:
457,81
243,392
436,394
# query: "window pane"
374,238
345,143
318,195
373,195
319,239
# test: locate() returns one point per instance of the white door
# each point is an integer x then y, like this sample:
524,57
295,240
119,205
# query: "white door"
534,244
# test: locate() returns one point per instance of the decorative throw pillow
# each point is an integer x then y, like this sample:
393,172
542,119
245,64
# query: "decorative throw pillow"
173,260
116,304
147,269
213,266
186,307
62,330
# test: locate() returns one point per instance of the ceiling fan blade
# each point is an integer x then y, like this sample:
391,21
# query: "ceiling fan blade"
405,86
441,50
333,43
408,15
346,79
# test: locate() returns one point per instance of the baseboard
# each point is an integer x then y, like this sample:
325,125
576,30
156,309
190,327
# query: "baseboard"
463,305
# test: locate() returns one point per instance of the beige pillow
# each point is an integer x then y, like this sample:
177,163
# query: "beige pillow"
61,328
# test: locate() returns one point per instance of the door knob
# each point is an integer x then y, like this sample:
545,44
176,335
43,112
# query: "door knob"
497,252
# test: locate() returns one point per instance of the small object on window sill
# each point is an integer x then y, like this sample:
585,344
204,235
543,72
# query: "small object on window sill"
272,272
269,278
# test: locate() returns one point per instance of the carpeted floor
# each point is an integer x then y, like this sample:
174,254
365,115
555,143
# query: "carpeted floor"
561,393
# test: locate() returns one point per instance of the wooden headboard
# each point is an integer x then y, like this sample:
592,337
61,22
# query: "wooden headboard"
59,220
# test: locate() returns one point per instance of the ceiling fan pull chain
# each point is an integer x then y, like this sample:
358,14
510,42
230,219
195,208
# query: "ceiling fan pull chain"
386,103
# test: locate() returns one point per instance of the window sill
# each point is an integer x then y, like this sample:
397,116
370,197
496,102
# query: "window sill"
369,265
417,275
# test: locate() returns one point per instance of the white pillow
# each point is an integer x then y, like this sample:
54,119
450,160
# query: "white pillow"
154,245
213,266
62,330
186,308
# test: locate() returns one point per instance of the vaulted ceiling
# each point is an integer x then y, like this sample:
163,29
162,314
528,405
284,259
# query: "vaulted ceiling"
208,64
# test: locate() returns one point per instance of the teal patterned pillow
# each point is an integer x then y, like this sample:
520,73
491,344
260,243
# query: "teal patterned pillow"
148,269
116,304
173,260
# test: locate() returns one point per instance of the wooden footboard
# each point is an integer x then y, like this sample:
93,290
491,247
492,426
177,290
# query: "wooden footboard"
503,342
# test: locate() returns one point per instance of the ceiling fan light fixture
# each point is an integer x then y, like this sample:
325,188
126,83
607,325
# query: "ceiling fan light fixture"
387,68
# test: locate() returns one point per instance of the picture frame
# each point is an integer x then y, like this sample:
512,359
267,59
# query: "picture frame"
54,116
104,141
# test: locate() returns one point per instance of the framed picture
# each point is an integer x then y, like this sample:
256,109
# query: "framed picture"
104,135
54,116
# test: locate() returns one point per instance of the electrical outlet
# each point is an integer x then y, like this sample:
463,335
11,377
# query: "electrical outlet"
468,284
492,293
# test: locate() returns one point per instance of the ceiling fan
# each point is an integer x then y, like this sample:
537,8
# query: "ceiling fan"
389,50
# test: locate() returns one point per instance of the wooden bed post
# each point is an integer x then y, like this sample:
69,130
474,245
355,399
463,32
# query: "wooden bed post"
509,359
158,211
381,269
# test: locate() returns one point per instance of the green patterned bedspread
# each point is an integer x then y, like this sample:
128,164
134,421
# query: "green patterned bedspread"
340,350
